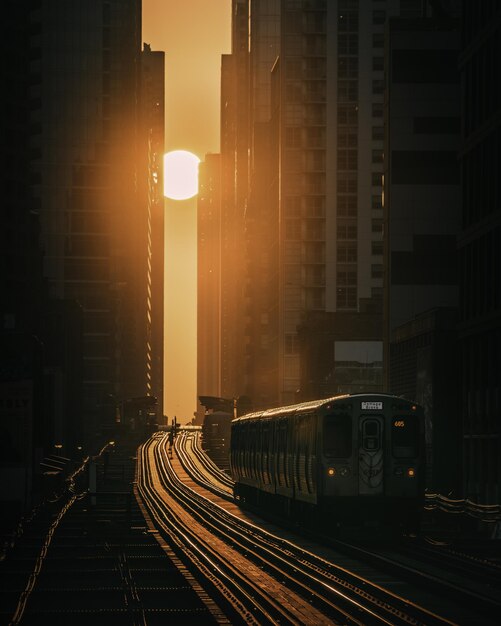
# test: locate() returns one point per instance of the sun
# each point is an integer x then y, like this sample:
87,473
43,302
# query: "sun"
180,174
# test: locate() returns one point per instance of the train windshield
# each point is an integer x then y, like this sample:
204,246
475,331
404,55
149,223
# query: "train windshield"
337,435
405,437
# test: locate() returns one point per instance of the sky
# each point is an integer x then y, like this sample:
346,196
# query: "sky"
193,34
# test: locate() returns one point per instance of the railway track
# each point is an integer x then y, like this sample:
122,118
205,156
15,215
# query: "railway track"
252,563
467,581
447,558
90,560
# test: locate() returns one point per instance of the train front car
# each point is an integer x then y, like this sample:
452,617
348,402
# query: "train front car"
371,460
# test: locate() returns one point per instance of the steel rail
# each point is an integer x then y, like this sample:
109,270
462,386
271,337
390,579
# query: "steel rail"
243,596
220,475
312,566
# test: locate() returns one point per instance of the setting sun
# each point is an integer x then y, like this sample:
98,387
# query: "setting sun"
180,174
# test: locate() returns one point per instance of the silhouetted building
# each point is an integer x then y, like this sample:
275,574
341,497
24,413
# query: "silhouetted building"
40,336
95,216
422,208
311,112
424,366
234,186
82,214
479,251
153,134
209,264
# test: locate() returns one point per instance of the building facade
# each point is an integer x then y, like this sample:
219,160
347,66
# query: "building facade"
479,252
422,208
85,183
209,279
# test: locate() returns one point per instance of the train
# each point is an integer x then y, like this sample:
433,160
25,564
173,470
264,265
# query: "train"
347,460
216,436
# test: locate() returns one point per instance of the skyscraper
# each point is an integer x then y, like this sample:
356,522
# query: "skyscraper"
479,252
92,144
307,100
152,133
209,277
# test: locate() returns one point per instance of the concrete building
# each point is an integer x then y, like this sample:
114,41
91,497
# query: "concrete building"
153,136
209,280
312,228
479,252
92,177
422,208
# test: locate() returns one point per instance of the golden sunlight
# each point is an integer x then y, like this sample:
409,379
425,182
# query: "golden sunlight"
180,174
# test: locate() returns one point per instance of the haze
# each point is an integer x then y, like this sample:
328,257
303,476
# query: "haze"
193,34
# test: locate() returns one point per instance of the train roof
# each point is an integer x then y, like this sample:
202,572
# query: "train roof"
313,405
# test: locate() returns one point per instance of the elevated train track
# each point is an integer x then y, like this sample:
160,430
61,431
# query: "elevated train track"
183,550
471,582
339,595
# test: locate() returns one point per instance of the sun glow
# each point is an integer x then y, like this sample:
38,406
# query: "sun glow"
180,174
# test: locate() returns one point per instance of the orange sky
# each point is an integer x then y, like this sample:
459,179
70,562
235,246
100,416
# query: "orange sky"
193,34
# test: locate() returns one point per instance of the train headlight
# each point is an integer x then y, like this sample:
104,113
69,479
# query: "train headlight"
411,472
398,471
345,471
331,471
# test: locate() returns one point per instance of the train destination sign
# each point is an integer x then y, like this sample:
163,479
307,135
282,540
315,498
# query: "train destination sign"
372,406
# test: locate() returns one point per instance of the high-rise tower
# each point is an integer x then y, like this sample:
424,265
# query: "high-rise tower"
92,176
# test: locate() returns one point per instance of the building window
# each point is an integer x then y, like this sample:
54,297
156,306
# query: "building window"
378,17
377,226
377,86
347,91
347,253
347,184
425,167
346,229
348,43
376,270
292,206
347,159
347,140
292,229
293,136
377,64
377,202
377,248
346,206
347,67
314,229
290,344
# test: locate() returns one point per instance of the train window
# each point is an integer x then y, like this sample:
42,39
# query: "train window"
371,435
337,435
405,437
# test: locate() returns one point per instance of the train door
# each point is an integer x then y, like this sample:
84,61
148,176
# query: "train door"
370,455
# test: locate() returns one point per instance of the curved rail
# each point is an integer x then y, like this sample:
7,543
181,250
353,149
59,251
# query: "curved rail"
336,592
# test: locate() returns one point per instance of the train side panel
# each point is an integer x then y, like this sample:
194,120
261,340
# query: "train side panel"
350,458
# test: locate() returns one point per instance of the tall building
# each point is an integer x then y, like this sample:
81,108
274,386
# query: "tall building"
479,252
153,134
209,278
40,335
86,178
422,209
306,97
234,187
